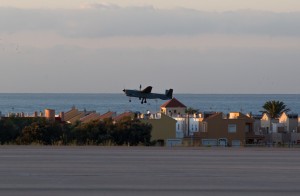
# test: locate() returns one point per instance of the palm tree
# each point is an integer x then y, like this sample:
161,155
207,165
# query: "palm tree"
274,108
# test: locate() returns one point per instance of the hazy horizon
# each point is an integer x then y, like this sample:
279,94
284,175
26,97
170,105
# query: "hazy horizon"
195,47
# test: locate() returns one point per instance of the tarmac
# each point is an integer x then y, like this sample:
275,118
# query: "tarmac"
73,170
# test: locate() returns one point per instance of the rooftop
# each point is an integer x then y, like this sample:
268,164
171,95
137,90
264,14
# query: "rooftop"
173,103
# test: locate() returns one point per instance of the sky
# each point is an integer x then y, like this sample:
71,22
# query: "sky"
192,46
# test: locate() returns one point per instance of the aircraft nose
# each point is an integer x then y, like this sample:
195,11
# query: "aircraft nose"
124,90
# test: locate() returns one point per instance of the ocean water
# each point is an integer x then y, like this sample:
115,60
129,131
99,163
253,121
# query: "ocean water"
101,103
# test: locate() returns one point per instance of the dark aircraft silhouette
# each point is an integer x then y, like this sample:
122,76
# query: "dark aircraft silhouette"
146,94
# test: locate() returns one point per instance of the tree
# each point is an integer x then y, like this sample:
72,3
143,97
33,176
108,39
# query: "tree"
274,108
42,132
8,131
95,132
11,128
131,132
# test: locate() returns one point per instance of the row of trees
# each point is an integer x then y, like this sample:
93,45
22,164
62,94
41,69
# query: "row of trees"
41,131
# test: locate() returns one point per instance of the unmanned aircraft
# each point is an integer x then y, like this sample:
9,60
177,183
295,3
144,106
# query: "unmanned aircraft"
146,94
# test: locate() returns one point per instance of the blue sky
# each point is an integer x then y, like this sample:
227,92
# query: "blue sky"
230,46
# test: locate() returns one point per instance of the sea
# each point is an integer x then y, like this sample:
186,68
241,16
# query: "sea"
102,102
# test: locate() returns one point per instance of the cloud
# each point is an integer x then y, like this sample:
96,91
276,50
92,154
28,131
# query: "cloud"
217,52
99,6
106,20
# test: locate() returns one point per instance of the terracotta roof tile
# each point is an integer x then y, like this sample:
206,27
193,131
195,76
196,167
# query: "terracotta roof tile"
107,115
90,117
173,103
125,114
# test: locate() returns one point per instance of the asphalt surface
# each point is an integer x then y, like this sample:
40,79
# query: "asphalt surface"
36,170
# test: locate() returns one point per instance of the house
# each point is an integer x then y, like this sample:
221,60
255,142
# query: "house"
173,107
75,115
289,121
224,130
90,117
106,115
266,123
256,136
257,122
123,115
163,130
187,125
285,131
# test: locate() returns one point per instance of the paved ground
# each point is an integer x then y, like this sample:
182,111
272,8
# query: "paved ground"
148,171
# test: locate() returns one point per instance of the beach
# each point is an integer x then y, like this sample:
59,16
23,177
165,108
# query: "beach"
75,170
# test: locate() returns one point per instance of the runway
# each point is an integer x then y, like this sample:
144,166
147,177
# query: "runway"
42,170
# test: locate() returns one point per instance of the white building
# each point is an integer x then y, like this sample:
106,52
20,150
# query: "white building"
187,125
290,122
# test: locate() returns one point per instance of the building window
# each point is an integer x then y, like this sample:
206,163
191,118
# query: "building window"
232,128
178,127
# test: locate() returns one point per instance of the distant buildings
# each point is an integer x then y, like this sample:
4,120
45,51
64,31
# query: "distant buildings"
173,126
219,129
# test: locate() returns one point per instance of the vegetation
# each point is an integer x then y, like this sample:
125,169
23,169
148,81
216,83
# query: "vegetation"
274,108
26,131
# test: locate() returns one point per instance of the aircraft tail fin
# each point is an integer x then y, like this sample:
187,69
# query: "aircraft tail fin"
169,93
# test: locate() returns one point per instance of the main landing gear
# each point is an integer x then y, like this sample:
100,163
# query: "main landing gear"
143,101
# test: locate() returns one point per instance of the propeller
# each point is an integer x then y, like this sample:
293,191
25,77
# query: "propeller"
140,87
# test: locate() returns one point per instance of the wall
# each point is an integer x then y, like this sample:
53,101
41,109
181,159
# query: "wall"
217,128
163,128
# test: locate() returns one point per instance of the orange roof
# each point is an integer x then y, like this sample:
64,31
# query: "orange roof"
125,114
89,117
107,115
173,103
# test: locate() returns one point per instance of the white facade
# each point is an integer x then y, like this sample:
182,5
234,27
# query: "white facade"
187,127
290,122
267,122
276,126
194,125
180,127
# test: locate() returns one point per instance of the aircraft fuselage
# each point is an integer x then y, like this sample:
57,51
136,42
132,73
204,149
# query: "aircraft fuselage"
146,94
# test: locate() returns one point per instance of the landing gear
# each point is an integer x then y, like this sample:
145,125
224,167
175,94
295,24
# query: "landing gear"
143,101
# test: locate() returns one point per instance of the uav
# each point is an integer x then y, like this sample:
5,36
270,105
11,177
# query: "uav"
145,94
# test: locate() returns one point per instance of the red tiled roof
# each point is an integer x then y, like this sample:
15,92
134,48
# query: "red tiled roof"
125,114
107,115
173,103
89,117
